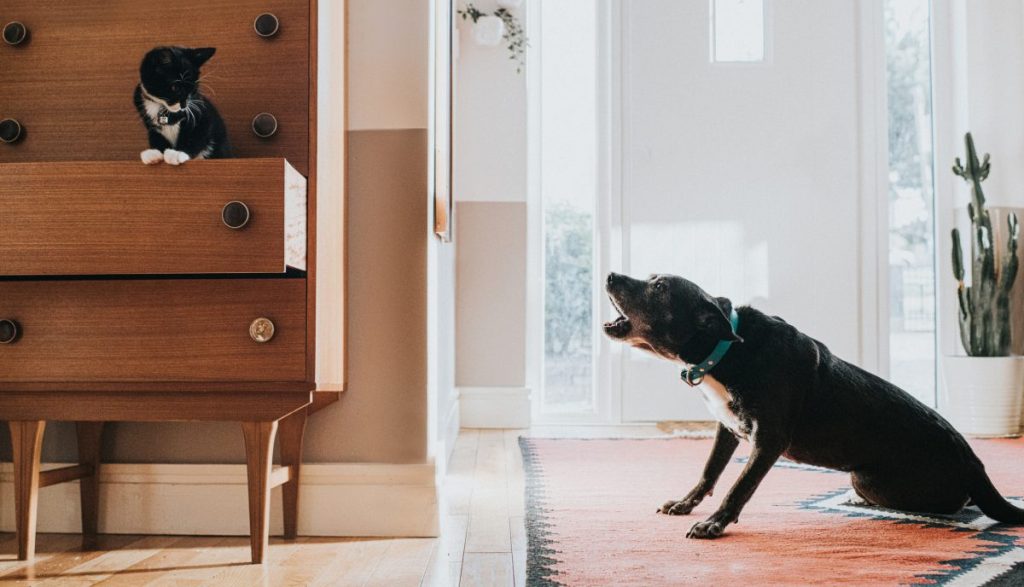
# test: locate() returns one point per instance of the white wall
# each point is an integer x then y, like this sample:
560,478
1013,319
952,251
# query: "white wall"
491,120
743,178
993,92
979,83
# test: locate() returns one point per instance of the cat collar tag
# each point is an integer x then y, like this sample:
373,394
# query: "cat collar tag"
694,375
165,117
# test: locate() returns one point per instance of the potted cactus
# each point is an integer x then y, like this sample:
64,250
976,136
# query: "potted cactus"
984,389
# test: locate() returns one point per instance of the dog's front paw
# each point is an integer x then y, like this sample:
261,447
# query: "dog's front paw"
678,508
709,528
173,157
152,156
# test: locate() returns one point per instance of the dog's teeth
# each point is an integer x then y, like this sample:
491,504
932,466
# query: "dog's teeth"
618,320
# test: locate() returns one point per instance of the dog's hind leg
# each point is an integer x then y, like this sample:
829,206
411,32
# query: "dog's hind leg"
725,445
862,495
911,490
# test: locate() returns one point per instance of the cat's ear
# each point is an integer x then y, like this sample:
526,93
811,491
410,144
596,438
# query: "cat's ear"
201,56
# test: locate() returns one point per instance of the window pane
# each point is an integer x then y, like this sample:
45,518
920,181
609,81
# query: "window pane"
737,30
911,207
568,308
568,144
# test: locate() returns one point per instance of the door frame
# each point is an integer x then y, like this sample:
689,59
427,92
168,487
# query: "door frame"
605,368
874,188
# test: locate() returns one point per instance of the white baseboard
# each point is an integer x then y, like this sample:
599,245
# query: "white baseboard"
449,434
343,499
495,407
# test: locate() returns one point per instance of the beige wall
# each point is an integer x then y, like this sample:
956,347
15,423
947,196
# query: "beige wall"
491,295
382,416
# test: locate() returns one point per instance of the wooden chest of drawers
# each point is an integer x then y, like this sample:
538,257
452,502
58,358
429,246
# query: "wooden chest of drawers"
152,293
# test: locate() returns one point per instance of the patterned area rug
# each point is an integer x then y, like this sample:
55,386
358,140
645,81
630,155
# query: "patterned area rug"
591,521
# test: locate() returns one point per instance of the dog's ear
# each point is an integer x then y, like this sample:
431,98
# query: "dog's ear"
713,318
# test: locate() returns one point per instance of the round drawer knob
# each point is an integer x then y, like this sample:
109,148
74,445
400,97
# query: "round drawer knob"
15,33
9,331
264,125
235,215
10,130
266,25
261,330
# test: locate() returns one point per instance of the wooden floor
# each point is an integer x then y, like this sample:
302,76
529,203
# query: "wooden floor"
482,542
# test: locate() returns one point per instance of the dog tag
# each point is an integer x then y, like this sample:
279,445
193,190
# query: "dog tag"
691,378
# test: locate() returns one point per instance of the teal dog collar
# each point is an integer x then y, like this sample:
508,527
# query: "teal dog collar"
695,374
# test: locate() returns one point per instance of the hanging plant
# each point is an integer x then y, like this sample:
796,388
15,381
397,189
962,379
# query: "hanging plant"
490,30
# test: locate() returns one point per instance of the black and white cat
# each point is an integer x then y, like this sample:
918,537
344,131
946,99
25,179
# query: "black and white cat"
182,123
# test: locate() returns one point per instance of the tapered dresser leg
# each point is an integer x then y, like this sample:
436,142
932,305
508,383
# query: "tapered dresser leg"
26,446
90,437
259,453
292,430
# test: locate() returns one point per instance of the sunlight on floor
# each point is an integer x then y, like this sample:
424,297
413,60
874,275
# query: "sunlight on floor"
482,541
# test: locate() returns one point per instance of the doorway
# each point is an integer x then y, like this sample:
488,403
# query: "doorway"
741,144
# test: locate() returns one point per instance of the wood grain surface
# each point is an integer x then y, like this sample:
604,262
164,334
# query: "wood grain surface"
116,218
71,84
139,330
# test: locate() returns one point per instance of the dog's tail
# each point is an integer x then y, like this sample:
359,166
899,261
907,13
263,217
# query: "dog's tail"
988,498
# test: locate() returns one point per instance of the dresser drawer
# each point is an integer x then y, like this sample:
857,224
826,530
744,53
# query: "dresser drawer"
153,330
126,218
70,84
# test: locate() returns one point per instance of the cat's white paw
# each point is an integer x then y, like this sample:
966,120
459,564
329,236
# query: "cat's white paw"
173,157
151,156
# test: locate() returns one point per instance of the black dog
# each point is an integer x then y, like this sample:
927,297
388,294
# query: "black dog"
790,396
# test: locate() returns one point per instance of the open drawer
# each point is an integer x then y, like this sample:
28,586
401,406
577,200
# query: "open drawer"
126,218
124,330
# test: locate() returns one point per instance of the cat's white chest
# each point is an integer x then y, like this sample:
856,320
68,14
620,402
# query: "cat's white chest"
169,131
717,399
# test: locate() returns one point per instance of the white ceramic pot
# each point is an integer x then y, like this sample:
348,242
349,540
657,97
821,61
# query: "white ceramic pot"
984,395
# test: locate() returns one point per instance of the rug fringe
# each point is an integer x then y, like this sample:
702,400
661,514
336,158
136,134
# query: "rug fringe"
540,559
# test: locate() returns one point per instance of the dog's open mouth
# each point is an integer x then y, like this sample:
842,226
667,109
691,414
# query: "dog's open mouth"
619,327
